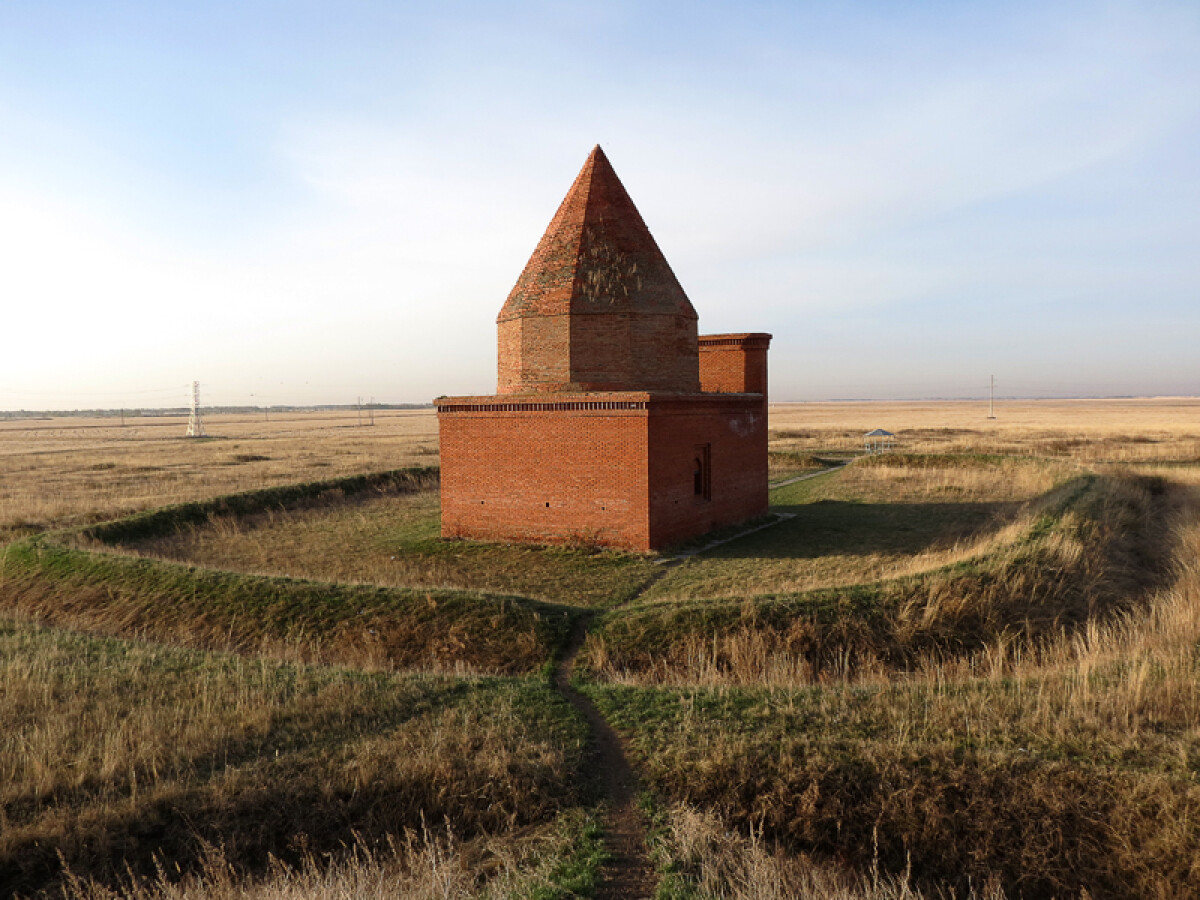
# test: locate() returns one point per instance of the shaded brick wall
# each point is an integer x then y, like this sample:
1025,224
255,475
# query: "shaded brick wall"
734,431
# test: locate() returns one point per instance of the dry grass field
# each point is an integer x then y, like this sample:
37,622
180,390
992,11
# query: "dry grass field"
67,471
1089,431
115,753
968,668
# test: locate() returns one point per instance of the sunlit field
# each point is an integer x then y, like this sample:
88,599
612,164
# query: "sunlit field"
1093,431
969,667
65,471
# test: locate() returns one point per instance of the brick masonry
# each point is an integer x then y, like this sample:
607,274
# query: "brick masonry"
614,424
597,306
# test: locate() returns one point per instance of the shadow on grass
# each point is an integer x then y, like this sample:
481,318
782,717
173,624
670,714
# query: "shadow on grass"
291,730
843,528
361,781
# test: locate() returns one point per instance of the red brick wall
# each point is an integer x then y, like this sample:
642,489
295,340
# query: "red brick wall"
734,363
735,430
550,475
612,477
598,352
534,354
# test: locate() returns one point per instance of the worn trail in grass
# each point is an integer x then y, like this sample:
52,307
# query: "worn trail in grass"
628,874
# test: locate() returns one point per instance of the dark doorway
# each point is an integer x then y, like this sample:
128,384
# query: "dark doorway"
702,472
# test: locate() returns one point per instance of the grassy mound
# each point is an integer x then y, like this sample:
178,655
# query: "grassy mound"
168,520
1091,551
878,518
71,579
359,625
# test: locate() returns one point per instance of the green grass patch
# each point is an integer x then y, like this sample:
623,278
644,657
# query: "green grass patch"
394,540
575,872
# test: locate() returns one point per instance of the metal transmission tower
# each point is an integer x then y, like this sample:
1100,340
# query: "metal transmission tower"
992,400
195,423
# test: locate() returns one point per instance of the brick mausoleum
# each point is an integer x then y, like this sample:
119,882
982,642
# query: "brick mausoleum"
614,422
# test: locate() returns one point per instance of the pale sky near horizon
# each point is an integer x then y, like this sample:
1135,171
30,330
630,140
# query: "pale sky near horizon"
301,202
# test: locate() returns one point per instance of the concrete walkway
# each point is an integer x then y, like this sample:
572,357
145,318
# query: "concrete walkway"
808,475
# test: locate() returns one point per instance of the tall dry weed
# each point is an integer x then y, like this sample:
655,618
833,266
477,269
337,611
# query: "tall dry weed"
716,862
418,864
428,867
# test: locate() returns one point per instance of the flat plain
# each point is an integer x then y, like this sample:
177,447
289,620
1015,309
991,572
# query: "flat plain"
70,470
969,667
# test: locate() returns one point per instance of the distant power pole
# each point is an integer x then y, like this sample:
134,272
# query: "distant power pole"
992,400
358,410
195,423
371,411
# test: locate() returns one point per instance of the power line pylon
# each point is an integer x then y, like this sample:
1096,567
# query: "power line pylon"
195,423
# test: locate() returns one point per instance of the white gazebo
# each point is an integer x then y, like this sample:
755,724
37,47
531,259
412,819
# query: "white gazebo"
878,441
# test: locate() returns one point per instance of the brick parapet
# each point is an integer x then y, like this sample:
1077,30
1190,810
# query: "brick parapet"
734,363
603,402
750,340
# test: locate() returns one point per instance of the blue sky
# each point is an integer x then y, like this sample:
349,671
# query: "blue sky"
308,202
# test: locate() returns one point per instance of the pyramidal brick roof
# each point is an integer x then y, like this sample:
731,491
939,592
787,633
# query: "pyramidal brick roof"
597,257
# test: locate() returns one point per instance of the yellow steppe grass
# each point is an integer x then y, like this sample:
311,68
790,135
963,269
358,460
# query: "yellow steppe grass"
64,471
68,471
1119,683
1108,715
98,735
1125,677
419,866
1124,431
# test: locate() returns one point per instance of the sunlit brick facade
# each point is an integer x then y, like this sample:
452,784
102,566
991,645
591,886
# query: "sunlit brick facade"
615,423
